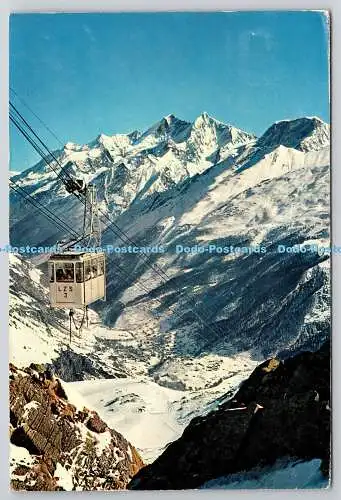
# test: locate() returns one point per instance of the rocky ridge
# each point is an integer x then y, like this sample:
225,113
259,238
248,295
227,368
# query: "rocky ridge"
56,446
281,411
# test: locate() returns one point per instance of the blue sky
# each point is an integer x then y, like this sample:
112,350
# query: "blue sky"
86,74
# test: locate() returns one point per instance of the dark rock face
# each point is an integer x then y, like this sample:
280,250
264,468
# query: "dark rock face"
291,133
62,440
72,366
281,410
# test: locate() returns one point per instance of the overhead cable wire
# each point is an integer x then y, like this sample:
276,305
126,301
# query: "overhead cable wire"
36,116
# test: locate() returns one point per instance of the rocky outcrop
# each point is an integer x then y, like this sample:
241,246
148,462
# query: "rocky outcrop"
281,410
56,446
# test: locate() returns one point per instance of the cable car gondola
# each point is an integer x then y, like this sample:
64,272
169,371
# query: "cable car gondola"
77,279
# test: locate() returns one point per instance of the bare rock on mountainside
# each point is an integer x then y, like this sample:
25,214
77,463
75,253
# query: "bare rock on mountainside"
56,446
282,410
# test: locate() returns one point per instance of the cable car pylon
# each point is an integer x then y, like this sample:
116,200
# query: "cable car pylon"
78,278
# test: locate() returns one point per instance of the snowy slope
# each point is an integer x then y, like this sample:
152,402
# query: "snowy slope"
283,475
40,334
267,302
148,414
140,410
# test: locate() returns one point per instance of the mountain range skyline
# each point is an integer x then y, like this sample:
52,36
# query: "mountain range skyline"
203,113
169,118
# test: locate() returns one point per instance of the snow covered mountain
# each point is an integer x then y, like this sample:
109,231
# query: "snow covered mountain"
200,328
128,169
304,134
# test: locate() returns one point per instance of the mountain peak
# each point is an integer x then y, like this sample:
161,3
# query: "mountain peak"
314,120
170,126
305,133
72,146
219,134
134,135
204,117
170,118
